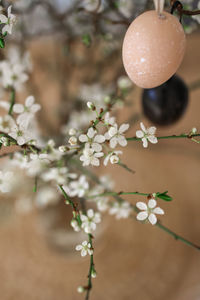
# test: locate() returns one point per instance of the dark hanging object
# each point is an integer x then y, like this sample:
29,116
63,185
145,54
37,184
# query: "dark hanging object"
166,103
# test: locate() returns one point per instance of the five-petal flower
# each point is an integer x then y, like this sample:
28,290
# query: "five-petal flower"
147,134
116,136
149,211
85,248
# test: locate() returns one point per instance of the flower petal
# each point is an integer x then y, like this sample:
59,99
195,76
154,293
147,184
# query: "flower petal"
78,247
141,205
3,19
158,211
145,143
96,147
122,141
152,219
143,127
123,128
152,203
142,216
83,252
90,213
95,161
29,101
91,132
152,139
83,138
151,130
113,142
140,134
99,138
18,108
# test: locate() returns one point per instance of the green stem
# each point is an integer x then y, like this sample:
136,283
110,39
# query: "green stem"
177,237
181,136
89,286
73,205
118,194
12,101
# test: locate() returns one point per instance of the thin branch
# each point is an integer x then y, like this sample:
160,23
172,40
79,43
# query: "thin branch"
177,237
118,194
181,136
91,268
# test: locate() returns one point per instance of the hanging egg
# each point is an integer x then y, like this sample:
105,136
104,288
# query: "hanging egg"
153,48
166,103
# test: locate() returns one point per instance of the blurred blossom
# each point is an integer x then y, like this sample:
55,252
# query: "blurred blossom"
120,210
46,196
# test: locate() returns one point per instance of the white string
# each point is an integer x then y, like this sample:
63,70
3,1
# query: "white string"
159,6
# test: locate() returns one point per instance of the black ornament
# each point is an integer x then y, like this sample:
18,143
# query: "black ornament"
166,103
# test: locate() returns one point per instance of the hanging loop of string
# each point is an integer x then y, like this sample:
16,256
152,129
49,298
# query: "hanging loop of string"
159,6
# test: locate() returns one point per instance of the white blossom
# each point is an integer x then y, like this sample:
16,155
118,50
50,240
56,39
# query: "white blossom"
20,133
93,139
9,21
112,157
102,203
12,75
109,120
85,248
37,163
121,210
116,136
46,196
147,135
79,187
149,211
90,220
107,182
5,181
27,111
90,157
6,123
59,175
20,160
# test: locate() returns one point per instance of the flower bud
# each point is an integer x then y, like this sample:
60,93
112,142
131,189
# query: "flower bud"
72,140
194,130
94,274
80,289
114,159
91,105
62,149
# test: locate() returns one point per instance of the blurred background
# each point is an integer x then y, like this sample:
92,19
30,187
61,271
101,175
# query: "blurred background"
74,56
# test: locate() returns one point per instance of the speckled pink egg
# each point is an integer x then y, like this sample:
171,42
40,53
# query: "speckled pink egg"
153,48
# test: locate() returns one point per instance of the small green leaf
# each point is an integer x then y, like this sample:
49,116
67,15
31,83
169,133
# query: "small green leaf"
164,196
2,43
86,39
